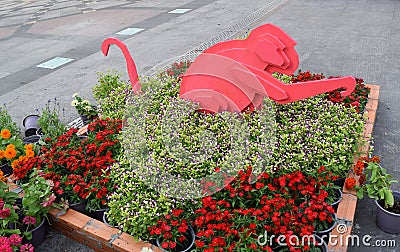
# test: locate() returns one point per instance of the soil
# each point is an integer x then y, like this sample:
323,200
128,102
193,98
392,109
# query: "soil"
394,209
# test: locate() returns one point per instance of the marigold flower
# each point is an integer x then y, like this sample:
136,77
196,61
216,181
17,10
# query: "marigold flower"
29,153
5,134
1,154
350,183
358,168
10,146
10,153
2,179
375,159
28,147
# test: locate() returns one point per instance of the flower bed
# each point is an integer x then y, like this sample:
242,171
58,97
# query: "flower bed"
316,141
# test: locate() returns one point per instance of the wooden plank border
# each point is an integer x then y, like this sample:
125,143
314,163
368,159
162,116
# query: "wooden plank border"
347,207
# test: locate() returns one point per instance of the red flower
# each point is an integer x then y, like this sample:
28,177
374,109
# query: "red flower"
350,183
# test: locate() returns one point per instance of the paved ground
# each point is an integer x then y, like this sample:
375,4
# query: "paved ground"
359,38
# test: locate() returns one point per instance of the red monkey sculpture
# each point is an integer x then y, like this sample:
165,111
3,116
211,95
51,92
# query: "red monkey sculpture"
236,75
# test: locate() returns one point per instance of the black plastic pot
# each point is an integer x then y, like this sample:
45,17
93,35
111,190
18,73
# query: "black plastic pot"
387,221
339,182
31,139
80,207
97,214
6,169
30,124
105,221
339,196
190,235
321,243
325,233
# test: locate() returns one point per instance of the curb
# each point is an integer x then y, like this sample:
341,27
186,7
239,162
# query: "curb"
347,207
93,233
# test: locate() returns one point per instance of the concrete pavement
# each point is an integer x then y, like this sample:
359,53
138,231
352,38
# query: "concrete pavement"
358,38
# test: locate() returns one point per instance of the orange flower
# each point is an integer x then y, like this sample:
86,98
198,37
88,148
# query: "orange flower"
2,178
1,154
29,147
375,159
5,134
359,167
349,183
10,146
10,153
29,153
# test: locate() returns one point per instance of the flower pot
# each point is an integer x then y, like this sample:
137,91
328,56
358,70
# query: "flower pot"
6,169
79,207
315,240
190,242
31,139
97,214
39,132
105,221
339,182
321,244
38,234
85,119
325,233
387,221
338,196
30,124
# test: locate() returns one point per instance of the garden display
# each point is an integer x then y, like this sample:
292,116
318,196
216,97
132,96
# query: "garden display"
225,153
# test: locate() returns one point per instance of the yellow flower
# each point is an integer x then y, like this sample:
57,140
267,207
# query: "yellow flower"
1,154
10,146
10,153
30,153
5,134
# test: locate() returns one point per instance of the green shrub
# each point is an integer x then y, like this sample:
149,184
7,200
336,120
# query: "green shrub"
49,120
106,83
7,123
314,132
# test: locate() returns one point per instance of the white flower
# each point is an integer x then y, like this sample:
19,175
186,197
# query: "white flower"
74,103
88,108
145,249
75,95
85,102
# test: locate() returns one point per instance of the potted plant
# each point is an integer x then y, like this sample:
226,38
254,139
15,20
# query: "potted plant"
36,203
49,121
375,182
173,232
86,110
13,150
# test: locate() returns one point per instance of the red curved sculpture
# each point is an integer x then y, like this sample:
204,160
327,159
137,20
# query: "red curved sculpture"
130,64
236,75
